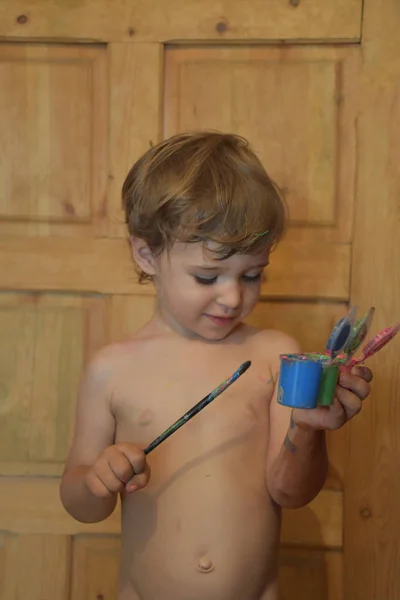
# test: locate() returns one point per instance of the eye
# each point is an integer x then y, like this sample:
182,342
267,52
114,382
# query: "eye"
205,280
252,278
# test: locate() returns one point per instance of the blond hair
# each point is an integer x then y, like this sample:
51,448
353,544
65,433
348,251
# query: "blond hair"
200,187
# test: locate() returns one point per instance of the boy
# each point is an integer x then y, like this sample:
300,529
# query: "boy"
202,216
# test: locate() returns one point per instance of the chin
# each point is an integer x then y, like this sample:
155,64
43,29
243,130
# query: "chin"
208,333
215,336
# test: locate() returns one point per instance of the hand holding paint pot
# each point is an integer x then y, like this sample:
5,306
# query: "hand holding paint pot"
310,380
350,391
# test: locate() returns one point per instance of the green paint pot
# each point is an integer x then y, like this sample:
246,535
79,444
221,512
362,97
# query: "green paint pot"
327,386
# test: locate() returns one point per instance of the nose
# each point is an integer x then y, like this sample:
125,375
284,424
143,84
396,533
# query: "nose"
230,295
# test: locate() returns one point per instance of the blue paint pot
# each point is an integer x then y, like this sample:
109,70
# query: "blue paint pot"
299,381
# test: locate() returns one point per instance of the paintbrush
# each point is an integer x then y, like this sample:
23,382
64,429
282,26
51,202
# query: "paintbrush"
198,407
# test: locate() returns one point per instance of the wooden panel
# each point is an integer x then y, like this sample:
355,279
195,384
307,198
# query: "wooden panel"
308,270
105,266
320,523
310,575
295,106
203,20
135,115
32,505
57,264
34,567
127,314
372,476
53,121
95,568
43,513
5,543
44,342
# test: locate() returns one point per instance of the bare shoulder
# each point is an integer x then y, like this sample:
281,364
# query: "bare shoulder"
109,359
271,342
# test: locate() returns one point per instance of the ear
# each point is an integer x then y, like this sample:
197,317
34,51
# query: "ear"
143,256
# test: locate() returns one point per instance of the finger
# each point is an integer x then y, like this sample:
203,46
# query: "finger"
112,483
320,417
96,486
363,372
336,416
356,384
350,402
135,456
138,482
104,482
120,467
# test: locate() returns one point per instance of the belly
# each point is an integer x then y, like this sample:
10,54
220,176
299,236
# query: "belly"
203,528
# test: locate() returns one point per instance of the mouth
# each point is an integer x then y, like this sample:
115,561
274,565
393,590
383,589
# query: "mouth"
221,321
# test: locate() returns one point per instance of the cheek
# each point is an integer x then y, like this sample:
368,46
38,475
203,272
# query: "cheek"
199,295
186,295
251,296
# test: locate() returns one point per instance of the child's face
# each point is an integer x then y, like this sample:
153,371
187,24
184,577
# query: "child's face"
204,297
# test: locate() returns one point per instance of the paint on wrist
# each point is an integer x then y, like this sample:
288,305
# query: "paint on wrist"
289,444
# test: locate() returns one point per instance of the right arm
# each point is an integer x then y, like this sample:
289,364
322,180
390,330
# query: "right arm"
96,470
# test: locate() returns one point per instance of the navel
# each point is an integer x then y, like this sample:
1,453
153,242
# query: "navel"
205,565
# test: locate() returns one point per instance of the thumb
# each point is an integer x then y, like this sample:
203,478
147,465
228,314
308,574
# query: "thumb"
135,456
363,372
139,481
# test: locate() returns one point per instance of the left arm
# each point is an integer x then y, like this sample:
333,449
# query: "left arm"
297,460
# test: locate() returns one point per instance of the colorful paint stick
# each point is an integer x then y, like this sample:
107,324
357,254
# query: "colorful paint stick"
376,344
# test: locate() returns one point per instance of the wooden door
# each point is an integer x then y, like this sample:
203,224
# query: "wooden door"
85,89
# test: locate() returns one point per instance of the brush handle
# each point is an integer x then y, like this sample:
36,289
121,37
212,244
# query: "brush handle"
197,407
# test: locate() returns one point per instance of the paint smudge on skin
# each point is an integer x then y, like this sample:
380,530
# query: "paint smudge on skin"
263,379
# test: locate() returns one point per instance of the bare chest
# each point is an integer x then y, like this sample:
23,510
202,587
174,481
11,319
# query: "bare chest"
144,407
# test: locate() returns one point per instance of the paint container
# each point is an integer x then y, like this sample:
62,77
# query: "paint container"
299,381
316,357
327,386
